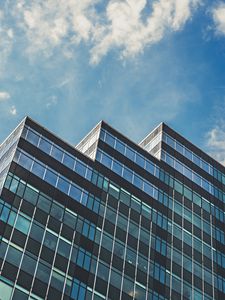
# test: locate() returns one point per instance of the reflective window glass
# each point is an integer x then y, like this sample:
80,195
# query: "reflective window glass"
120,147
31,195
38,169
68,161
75,193
44,203
22,224
28,264
110,140
117,168
80,168
32,138
63,185
50,177
64,248
45,145
14,256
25,161
43,272
127,174
36,232
130,153
50,241
57,281
57,212
57,153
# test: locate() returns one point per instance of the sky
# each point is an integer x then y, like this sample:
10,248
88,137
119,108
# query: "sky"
133,63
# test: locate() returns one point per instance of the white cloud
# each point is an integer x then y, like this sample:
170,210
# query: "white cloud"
13,110
52,101
6,41
53,23
120,24
218,14
4,96
216,142
125,28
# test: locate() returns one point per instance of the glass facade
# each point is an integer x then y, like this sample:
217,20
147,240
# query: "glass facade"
108,220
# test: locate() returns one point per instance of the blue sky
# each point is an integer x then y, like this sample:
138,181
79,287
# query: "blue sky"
134,63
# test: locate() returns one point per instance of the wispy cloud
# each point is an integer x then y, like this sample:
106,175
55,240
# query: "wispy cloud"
13,110
52,101
125,28
218,13
4,96
128,26
6,41
216,141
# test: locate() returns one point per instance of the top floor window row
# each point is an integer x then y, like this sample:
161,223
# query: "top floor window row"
207,167
55,151
154,169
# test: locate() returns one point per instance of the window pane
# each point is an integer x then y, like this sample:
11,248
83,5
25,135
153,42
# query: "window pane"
32,138
22,224
45,146
50,177
68,161
57,153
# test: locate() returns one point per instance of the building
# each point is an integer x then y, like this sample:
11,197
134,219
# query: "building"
110,219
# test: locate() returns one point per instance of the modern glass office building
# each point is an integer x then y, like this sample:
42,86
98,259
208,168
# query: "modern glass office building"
110,219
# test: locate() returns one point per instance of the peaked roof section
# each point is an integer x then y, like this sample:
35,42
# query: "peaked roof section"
88,145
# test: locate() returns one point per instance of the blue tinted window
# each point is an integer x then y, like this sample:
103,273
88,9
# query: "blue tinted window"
70,219
75,193
138,182
25,161
36,232
43,272
110,140
38,169
50,241
45,146
63,185
130,153
28,264
57,153
106,160
80,258
68,161
50,177
120,147
80,168
22,224
14,256
44,203
87,262
31,195
64,248
140,160
117,168
85,229
127,175
57,212
188,153
32,138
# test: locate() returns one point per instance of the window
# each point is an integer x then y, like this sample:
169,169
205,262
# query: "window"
22,224
50,241
57,153
32,138
64,248
51,177
45,146
68,161
38,169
